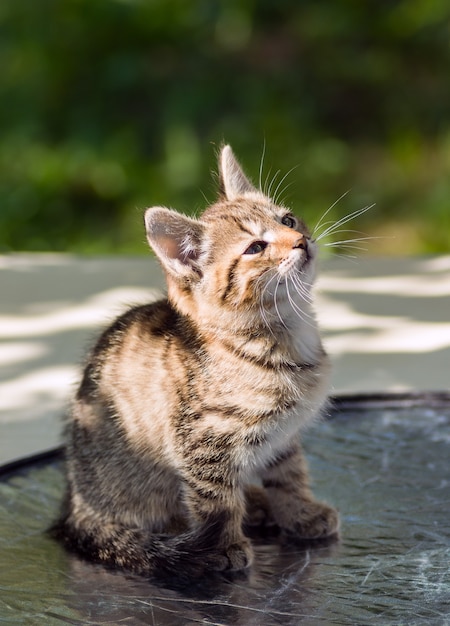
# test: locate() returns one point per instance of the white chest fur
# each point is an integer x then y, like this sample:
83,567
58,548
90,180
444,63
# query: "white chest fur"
274,439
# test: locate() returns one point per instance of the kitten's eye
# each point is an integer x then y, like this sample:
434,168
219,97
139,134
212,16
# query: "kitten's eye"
256,247
288,221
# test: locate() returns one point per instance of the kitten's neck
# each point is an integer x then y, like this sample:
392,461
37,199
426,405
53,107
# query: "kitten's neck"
275,345
292,341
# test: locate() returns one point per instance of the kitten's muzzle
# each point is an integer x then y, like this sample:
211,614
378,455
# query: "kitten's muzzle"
302,243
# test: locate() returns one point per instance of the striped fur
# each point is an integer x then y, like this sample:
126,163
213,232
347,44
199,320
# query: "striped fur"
187,403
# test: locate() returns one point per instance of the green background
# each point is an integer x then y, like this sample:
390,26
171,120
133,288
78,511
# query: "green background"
109,106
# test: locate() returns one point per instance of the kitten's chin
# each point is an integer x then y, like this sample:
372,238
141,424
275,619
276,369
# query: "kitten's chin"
301,270
300,261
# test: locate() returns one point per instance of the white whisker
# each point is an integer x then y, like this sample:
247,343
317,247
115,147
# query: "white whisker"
276,304
350,247
346,242
264,317
348,230
275,193
269,189
263,310
261,165
292,302
355,240
266,182
302,288
304,294
320,222
282,199
347,218
350,243
296,308
349,257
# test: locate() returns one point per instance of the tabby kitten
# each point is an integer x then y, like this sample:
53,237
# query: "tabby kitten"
185,428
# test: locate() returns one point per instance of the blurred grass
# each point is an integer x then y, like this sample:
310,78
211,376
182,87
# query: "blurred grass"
108,106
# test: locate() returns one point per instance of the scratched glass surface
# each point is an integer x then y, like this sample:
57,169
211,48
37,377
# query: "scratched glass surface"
386,470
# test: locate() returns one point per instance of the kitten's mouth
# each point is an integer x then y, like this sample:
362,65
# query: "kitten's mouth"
297,261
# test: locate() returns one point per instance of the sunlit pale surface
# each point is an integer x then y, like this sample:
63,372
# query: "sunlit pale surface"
386,324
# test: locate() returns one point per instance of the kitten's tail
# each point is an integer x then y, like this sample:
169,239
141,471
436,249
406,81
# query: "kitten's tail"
183,557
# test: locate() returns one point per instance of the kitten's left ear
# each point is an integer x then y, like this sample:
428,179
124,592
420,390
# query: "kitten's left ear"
176,240
233,181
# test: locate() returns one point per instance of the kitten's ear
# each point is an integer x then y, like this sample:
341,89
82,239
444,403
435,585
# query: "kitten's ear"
233,181
176,240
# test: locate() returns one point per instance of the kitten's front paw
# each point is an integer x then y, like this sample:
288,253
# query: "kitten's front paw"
235,557
318,521
257,508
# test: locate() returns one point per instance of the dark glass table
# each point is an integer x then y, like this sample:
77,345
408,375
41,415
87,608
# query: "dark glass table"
384,464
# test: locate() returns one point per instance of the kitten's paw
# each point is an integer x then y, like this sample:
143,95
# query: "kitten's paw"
318,521
257,508
235,557
240,555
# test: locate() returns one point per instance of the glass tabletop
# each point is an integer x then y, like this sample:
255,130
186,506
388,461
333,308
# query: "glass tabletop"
387,470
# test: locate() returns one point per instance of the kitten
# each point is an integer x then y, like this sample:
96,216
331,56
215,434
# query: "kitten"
187,402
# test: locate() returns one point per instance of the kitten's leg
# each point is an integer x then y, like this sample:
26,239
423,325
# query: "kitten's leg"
294,507
181,557
214,499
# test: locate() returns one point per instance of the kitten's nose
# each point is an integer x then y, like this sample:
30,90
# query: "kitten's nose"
300,243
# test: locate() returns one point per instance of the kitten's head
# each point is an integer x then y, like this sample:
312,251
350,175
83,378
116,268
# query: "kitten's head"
245,257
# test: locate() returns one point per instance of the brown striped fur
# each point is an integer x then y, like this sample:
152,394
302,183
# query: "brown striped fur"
189,403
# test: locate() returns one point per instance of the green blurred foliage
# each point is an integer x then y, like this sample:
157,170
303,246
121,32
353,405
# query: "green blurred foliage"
108,106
